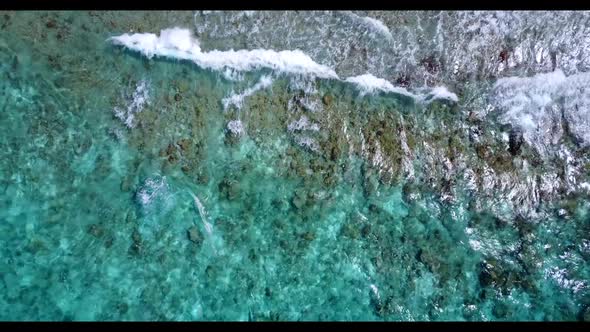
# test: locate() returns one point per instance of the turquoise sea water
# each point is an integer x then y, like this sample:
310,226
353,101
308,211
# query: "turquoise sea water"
327,204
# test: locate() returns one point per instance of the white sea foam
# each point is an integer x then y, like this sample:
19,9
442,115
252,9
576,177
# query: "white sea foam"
378,26
138,100
237,99
249,13
302,83
535,105
233,75
307,94
562,278
408,155
441,93
375,291
215,241
202,213
427,94
178,43
235,127
369,84
152,188
307,142
303,124
373,24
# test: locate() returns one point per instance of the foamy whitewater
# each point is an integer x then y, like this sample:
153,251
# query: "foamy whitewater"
136,103
238,99
375,24
368,84
178,43
536,103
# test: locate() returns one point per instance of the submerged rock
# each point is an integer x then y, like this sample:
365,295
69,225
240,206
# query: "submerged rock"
122,308
51,24
229,189
184,144
299,199
96,230
515,141
127,183
136,247
500,310
194,235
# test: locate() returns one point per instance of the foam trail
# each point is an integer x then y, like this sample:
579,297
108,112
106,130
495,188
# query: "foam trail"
438,93
407,165
203,214
238,99
179,44
369,84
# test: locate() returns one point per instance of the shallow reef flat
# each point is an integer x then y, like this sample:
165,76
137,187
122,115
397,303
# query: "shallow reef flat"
141,187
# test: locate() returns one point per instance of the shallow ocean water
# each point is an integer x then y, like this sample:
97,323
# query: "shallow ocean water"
138,188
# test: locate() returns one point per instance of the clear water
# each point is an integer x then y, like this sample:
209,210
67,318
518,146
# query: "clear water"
375,207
